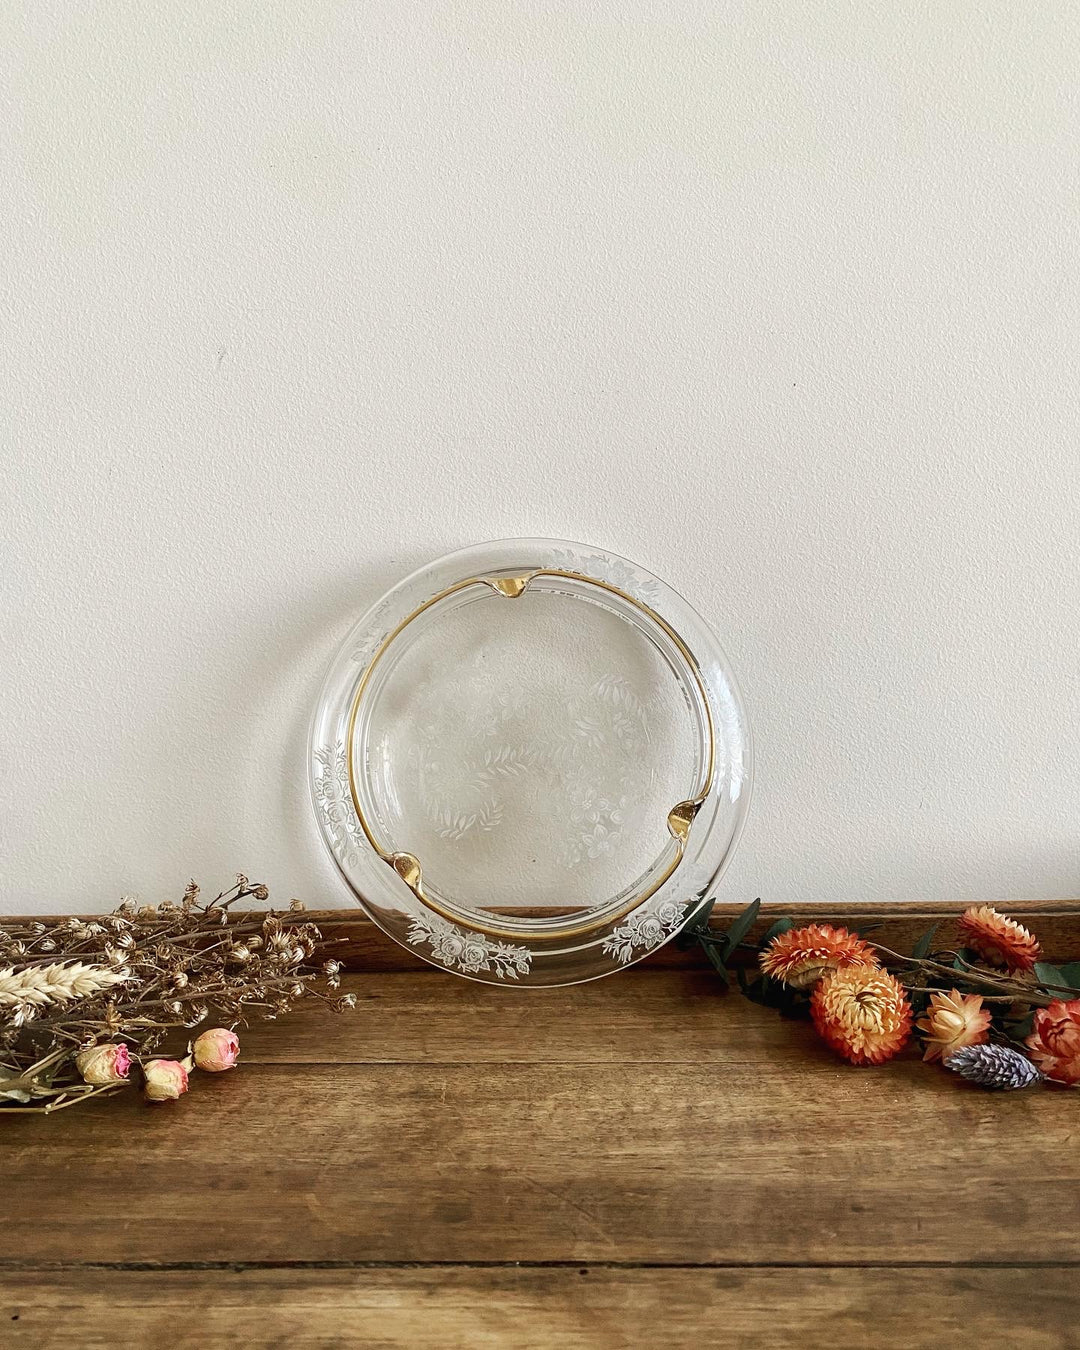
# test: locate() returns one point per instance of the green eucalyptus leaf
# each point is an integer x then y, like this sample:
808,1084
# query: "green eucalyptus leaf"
741,925
689,936
783,925
922,947
1070,975
704,913
1019,1027
756,991
1046,974
716,961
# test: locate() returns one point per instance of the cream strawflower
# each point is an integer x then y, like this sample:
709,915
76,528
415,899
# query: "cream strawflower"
953,1021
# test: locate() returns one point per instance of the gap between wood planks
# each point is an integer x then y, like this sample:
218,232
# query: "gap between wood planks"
239,1267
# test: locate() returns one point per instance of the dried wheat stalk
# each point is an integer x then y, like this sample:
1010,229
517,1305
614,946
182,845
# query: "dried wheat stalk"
56,983
144,973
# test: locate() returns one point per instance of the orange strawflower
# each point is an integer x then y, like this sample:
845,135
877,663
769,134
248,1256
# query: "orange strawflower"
862,1012
953,1021
1055,1040
999,940
801,956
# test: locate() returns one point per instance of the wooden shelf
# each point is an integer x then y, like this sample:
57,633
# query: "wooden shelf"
642,1161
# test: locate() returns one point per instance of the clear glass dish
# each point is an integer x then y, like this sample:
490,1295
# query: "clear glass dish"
530,762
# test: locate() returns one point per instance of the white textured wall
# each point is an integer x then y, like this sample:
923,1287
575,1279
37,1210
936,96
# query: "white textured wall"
780,298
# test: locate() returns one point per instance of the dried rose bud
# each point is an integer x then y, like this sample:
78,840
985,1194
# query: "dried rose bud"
165,1080
332,967
179,980
216,1050
261,893
104,1064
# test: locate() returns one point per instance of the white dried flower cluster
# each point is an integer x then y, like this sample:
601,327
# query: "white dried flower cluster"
144,971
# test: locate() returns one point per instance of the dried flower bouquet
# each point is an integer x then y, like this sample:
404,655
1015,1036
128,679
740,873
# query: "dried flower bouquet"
84,999
992,1010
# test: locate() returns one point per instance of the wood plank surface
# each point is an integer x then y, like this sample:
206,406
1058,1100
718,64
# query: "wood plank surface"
485,1308
473,1153
438,1167
646,1016
1056,923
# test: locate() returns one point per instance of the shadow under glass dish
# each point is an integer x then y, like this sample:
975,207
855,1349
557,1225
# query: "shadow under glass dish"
528,751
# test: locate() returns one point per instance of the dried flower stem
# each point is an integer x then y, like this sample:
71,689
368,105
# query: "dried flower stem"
138,975
1008,985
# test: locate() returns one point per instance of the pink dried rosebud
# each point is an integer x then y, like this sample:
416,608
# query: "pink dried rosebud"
103,1065
166,1079
216,1050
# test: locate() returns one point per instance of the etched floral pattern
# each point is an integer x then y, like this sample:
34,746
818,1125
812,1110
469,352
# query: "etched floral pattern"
471,953
378,627
334,801
464,794
615,571
658,920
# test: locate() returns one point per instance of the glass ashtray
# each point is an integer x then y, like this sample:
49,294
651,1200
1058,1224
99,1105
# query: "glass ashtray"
530,762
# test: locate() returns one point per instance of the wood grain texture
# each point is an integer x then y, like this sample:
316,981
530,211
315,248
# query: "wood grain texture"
437,1168
1056,923
598,1308
362,946
467,1149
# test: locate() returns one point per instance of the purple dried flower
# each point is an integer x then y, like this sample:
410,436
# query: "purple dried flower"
994,1066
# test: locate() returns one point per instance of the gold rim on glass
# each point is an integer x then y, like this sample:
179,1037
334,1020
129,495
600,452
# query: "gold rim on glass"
679,818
